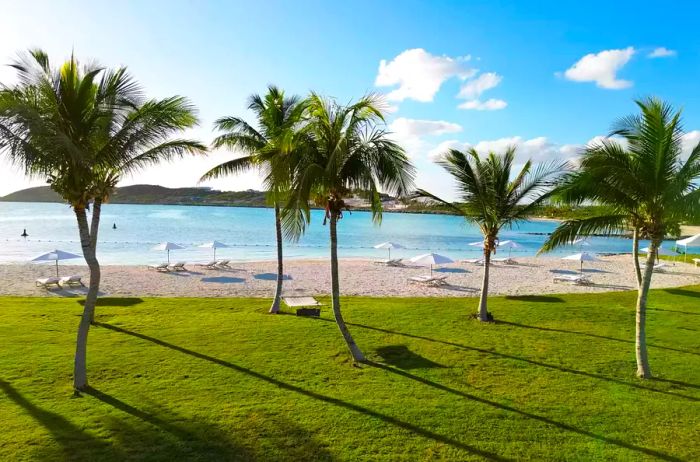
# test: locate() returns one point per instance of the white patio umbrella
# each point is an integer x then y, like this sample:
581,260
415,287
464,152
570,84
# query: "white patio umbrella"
581,241
661,252
389,245
510,245
55,255
431,259
168,246
581,257
692,241
214,245
479,244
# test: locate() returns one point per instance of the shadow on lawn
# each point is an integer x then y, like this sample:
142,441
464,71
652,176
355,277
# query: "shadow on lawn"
403,358
535,298
683,292
539,363
327,399
116,301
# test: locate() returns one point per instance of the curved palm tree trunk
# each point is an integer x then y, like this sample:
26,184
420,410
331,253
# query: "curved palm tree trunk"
643,370
95,272
275,308
483,311
335,287
635,257
80,365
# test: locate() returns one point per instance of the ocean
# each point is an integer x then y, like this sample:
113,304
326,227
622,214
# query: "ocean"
250,233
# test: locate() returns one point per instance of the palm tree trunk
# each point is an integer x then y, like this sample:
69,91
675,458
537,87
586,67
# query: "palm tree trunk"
643,370
635,256
80,365
483,312
95,272
357,355
275,308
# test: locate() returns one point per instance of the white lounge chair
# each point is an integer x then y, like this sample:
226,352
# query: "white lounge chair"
223,263
578,279
434,281
46,282
696,261
659,267
162,267
391,262
474,261
208,265
71,281
179,266
505,260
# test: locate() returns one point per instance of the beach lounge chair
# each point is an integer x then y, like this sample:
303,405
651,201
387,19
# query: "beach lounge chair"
161,267
392,262
223,263
659,267
506,260
208,265
71,281
434,281
474,261
696,261
578,279
47,282
179,266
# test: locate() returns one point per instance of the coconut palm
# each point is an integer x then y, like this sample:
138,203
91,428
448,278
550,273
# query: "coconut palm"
648,187
271,148
347,150
492,198
82,128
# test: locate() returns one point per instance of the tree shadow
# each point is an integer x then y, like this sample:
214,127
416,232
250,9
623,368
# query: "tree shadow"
534,362
530,415
115,301
535,298
587,334
450,270
271,277
403,358
415,429
223,280
674,311
563,271
683,292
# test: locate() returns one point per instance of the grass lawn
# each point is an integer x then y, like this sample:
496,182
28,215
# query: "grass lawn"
217,379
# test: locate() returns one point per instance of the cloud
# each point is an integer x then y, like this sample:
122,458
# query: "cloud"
488,105
602,68
662,52
472,90
419,74
539,149
411,134
689,141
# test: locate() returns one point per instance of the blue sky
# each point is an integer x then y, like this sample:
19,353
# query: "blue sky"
521,69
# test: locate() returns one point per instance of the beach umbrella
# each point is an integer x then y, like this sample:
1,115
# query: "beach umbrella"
389,245
581,241
692,241
167,246
55,256
431,259
214,245
661,252
510,245
479,244
581,257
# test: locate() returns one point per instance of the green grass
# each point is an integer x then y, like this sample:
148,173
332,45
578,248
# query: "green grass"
216,379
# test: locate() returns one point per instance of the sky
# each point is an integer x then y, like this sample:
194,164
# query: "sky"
547,76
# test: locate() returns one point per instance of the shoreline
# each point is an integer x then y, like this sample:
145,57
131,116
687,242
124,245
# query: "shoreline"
358,276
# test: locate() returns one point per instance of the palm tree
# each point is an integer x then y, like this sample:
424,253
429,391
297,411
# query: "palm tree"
648,188
347,149
271,149
82,128
493,199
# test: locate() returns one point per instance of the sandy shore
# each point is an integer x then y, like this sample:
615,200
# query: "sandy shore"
358,277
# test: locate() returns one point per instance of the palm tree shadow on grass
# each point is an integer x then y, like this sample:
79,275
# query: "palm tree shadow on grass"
684,292
401,424
116,301
403,358
419,431
535,298
540,363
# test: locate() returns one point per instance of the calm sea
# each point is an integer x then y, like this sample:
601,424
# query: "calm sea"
250,233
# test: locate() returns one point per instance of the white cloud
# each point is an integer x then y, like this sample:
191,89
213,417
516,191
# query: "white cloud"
689,141
419,74
488,105
472,90
411,133
602,68
539,149
662,52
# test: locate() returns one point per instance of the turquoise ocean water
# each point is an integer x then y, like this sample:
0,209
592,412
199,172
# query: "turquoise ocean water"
250,232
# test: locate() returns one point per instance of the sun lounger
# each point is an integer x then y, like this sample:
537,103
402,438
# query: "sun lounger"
506,260
392,262
434,281
474,261
208,265
223,263
179,266
696,261
46,282
659,267
161,267
71,281
574,279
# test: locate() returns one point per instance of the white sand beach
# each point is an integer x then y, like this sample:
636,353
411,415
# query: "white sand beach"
357,277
